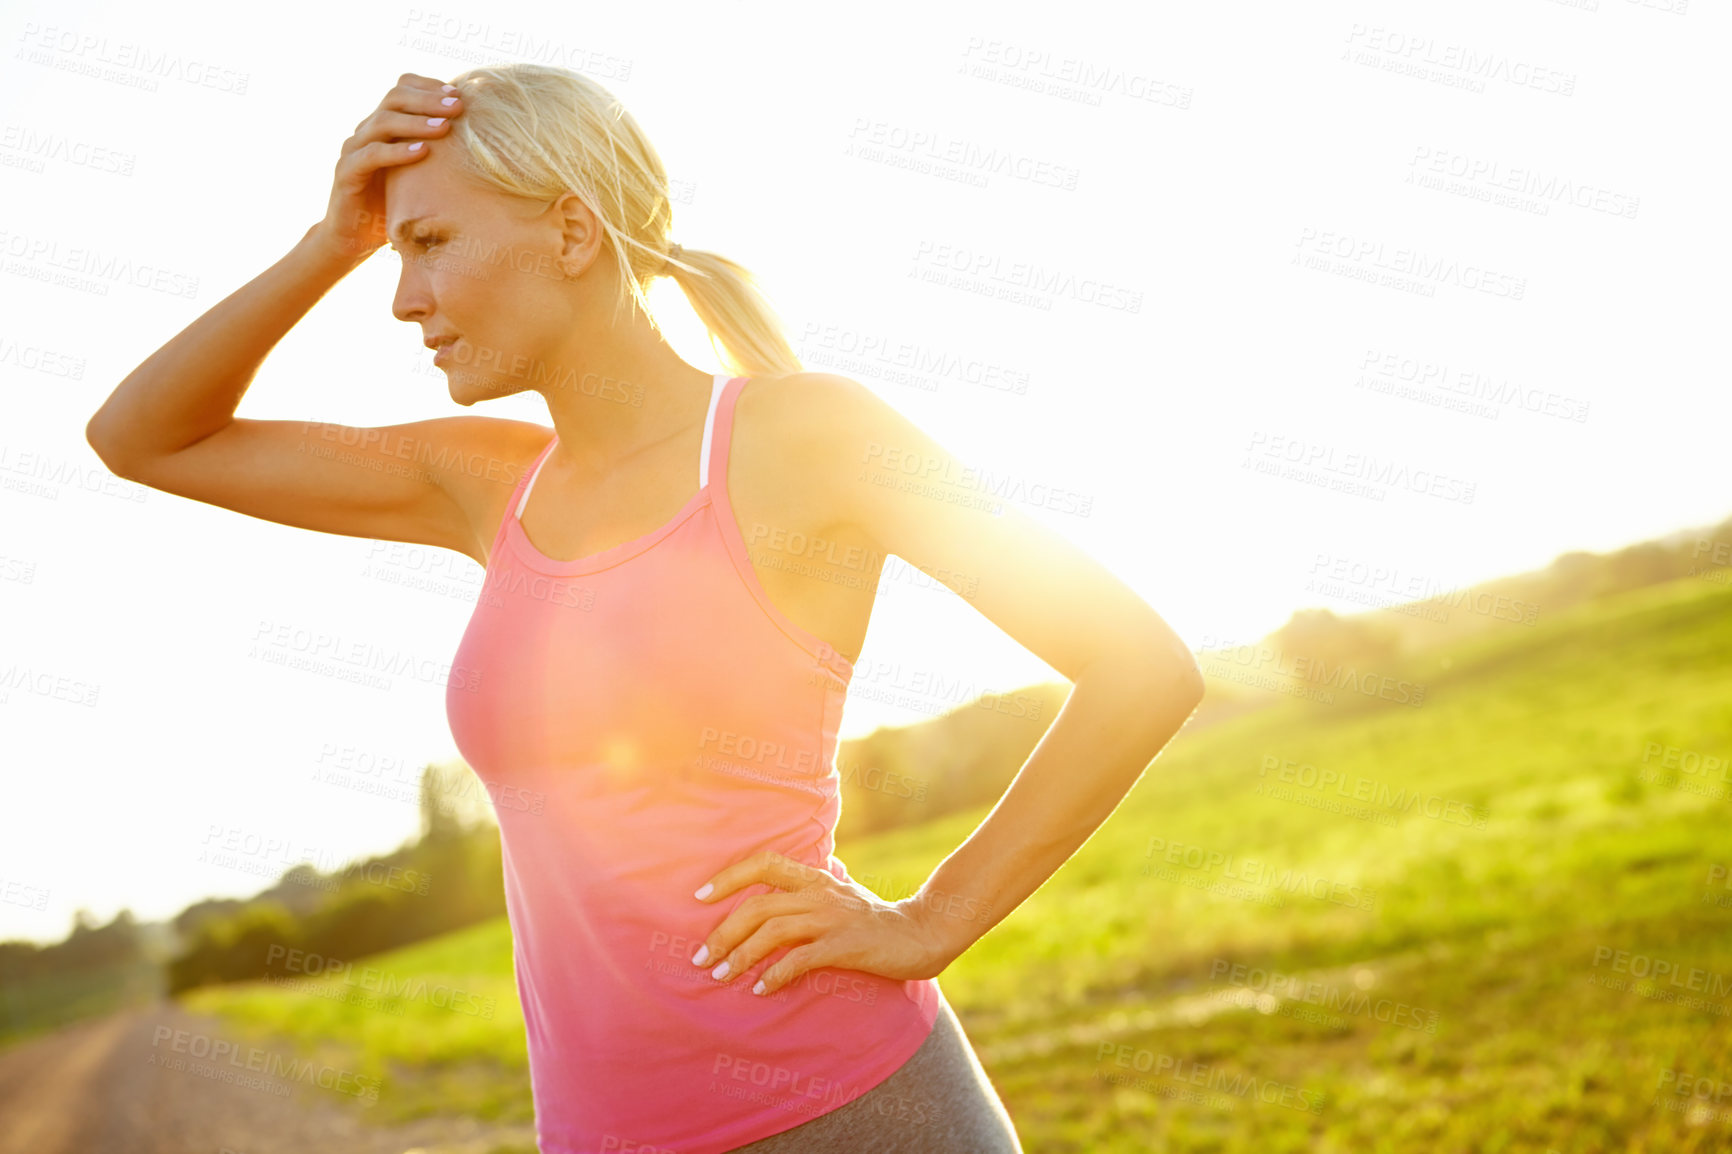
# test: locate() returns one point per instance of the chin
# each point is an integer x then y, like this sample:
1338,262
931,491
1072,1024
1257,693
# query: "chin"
467,387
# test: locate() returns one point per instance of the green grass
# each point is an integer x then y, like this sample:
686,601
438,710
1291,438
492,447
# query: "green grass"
439,1022
43,1004
1494,929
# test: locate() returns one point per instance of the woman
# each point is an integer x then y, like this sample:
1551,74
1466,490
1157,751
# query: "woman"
698,972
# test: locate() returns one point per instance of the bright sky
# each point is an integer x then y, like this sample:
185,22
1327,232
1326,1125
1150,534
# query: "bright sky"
1429,252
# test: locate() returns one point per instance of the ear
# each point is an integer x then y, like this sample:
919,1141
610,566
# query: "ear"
580,234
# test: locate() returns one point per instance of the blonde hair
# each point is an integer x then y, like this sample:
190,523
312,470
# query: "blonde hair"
538,131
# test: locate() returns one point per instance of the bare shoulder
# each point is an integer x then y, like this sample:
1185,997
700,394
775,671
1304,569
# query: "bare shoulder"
806,436
497,443
487,456
814,418
813,435
804,399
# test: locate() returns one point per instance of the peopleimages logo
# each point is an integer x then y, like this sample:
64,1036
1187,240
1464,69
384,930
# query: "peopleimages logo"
772,1079
1257,873
1657,969
254,1060
1269,666
1657,979
380,983
1308,776
1292,987
1247,1087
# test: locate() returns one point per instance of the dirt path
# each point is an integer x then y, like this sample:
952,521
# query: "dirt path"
160,1080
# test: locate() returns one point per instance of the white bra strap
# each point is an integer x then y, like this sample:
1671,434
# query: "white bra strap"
524,500
716,387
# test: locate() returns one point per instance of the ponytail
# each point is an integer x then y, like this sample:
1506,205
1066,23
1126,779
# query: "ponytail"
739,319
538,131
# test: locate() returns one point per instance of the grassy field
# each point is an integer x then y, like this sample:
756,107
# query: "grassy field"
1494,921
44,1004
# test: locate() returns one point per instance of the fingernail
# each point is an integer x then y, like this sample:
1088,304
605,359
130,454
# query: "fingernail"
449,87
720,972
449,101
705,892
416,147
759,988
702,956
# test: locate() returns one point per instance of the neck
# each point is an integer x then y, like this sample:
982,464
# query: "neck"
620,399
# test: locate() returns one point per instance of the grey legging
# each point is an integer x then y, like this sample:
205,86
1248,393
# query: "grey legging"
940,1101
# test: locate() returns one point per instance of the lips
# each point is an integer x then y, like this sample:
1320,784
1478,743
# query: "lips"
438,342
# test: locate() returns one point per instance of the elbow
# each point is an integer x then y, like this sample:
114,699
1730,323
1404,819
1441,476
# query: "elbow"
1161,668
96,436
1184,682
102,442
1172,665
1166,694
1175,673
1191,682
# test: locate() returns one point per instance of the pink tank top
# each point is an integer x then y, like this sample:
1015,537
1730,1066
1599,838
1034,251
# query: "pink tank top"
643,717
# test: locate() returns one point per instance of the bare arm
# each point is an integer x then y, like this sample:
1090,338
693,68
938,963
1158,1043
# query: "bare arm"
171,423
1134,684
1134,681
190,388
1122,711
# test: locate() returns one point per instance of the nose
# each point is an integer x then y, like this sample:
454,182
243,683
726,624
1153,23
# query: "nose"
413,299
